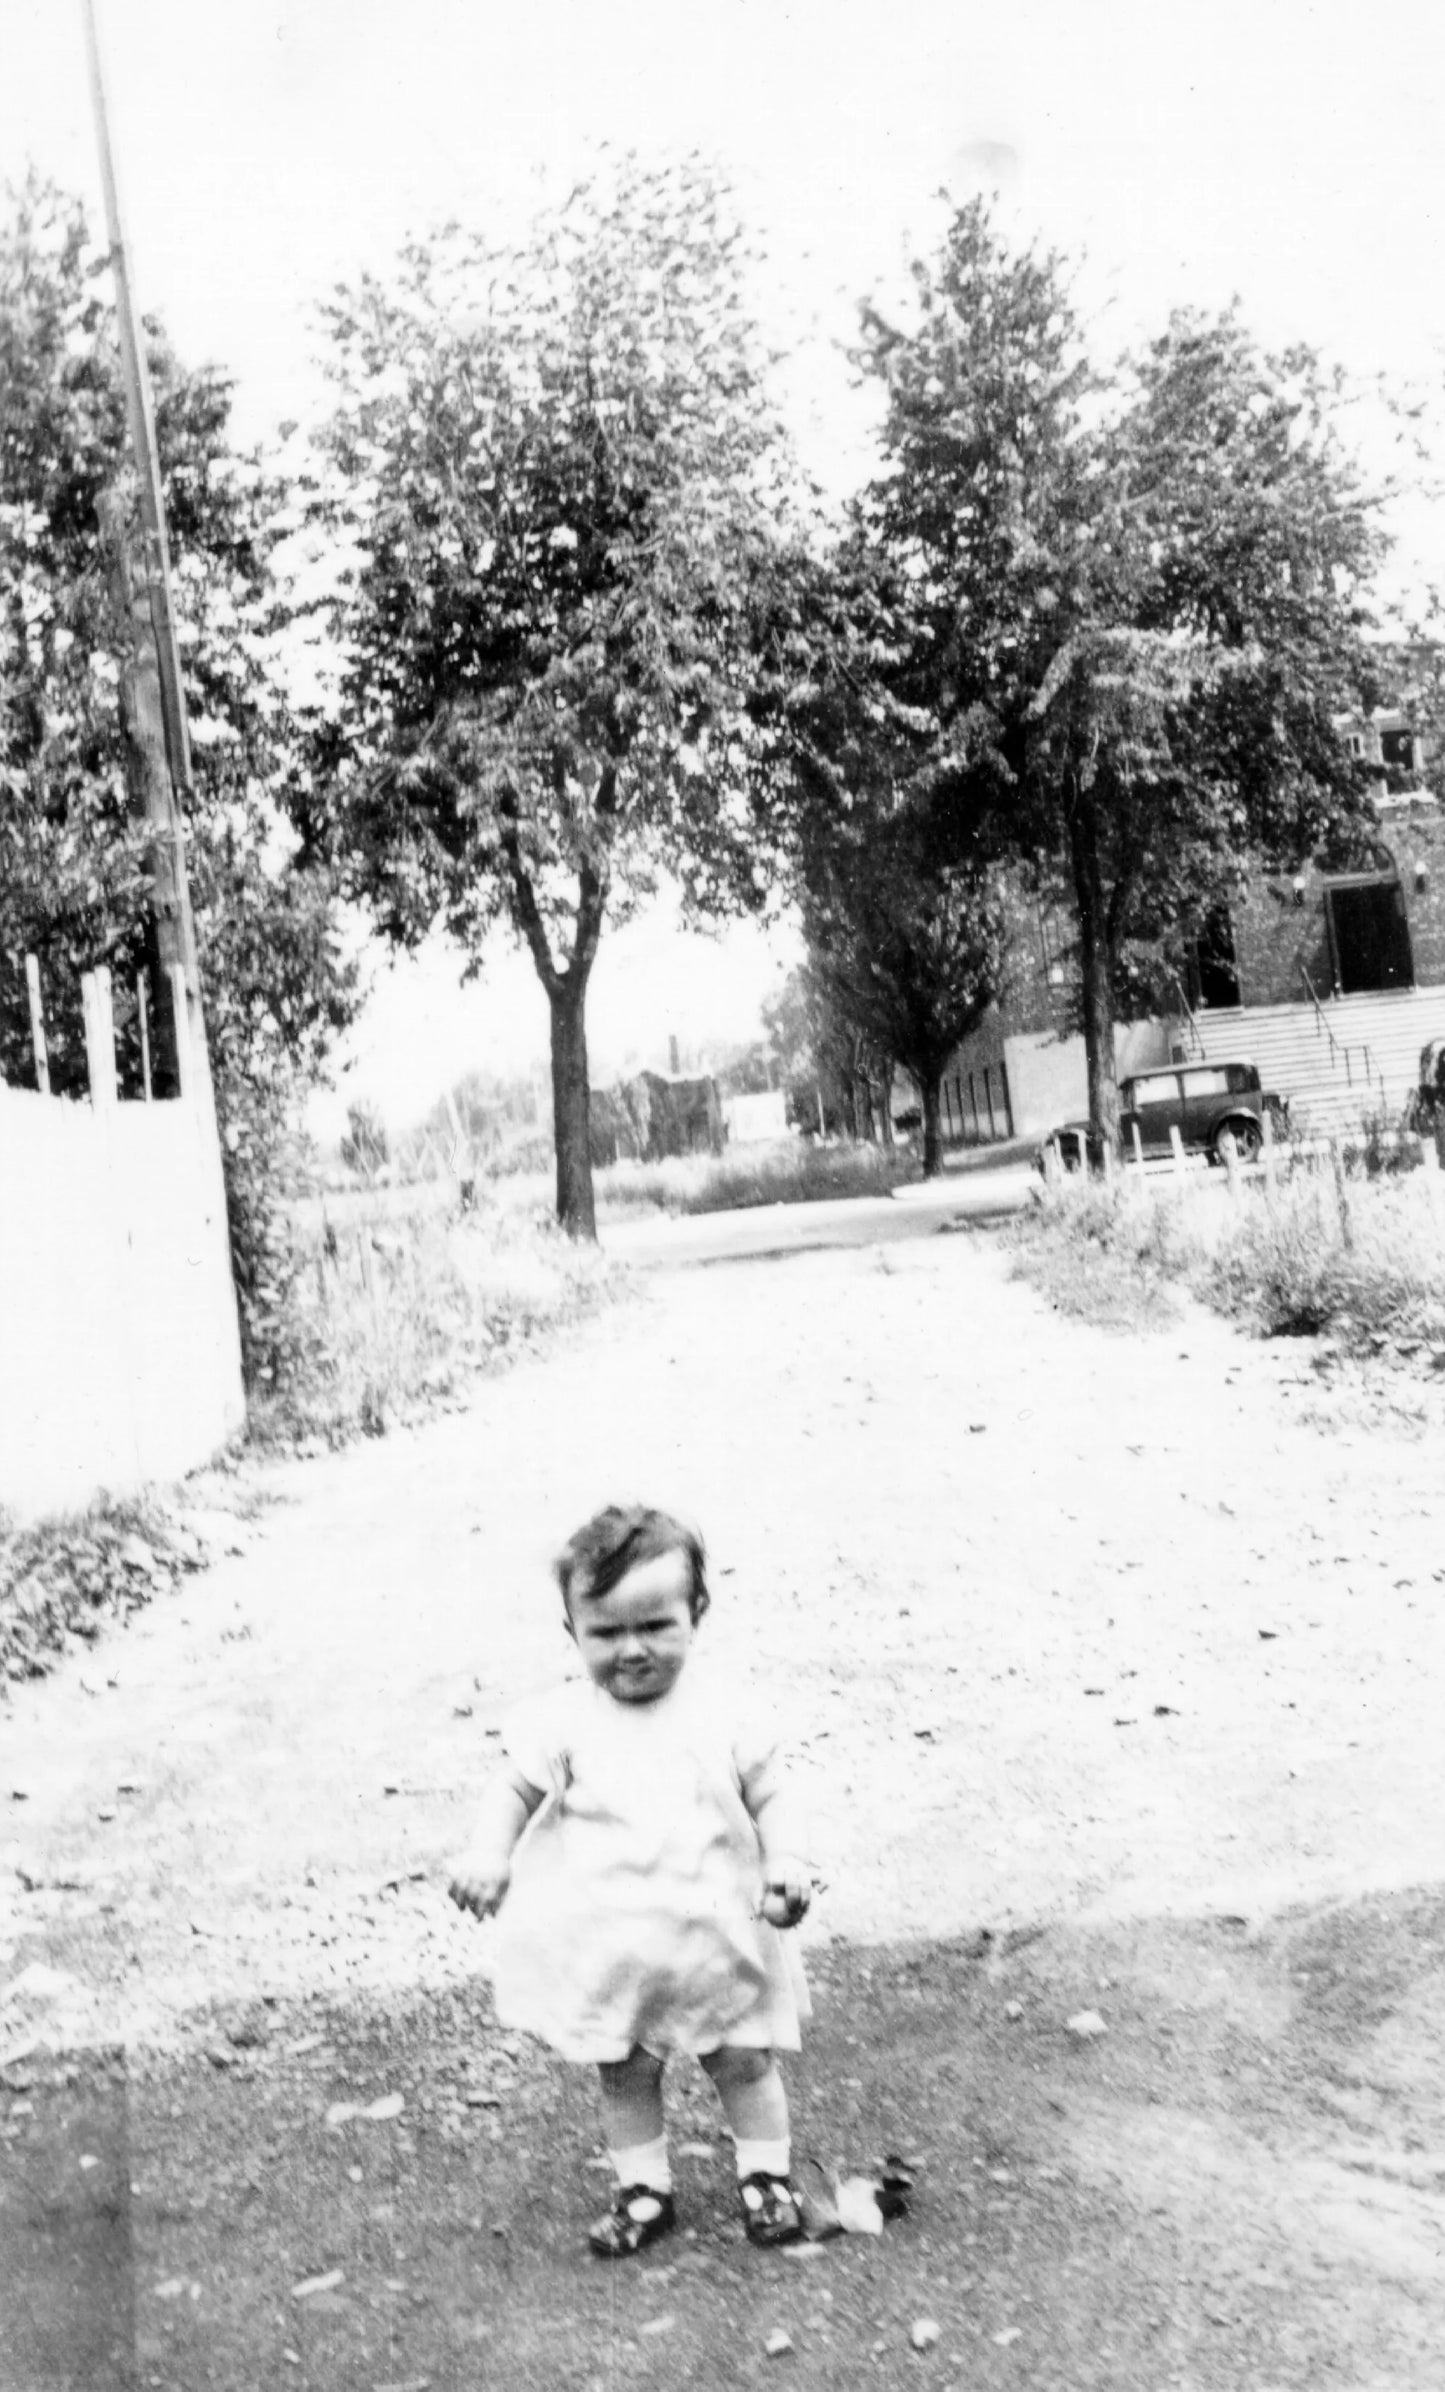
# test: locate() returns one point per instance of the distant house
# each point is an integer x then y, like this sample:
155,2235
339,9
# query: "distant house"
1331,981
753,1119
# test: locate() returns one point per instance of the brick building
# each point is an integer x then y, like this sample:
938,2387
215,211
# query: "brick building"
1330,981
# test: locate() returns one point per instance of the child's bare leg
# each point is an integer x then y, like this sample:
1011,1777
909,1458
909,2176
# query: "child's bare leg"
750,2089
632,2120
637,2147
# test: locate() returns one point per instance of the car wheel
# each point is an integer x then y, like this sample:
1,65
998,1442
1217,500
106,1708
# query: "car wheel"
1246,1136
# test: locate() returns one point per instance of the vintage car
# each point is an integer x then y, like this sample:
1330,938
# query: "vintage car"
1205,1102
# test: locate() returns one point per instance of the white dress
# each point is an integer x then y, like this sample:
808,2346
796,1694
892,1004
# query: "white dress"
631,1917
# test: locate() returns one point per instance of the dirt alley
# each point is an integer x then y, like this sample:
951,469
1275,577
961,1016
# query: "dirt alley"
1081,1633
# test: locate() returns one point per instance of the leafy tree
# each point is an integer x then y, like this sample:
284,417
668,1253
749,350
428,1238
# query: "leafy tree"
365,1147
902,921
558,475
905,946
74,877
1137,602
827,1064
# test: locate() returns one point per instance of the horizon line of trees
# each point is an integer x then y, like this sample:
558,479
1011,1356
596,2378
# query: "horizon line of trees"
577,620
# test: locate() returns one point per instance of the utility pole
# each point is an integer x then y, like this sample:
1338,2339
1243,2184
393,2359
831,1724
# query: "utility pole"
159,756
154,702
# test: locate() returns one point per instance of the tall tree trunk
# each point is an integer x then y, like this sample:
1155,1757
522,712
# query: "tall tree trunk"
930,1083
567,1002
571,1106
1096,966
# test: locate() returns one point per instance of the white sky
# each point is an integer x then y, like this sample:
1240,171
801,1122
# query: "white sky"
1193,150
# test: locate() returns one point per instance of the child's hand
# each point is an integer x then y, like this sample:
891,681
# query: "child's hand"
786,1900
479,1890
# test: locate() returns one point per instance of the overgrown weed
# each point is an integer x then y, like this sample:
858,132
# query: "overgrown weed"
395,1314
1372,1271
1107,1254
788,1171
1363,1263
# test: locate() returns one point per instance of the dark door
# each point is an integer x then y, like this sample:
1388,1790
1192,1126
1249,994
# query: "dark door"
1213,969
1371,937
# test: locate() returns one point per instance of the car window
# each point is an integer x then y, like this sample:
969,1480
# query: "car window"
1208,1080
1160,1088
1243,1079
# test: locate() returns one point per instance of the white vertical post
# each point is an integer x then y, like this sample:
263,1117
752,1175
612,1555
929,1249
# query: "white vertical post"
99,1037
1434,1183
1177,1142
1135,1134
1231,1162
37,1024
143,1019
1342,1201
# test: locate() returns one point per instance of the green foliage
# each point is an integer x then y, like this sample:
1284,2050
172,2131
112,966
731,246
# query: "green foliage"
396,1313
1113,1256
1126,606
1299,1269
902,919
791,1171
72,863
365,1146
905,945
821,1056
74,884
1290,1266
556,471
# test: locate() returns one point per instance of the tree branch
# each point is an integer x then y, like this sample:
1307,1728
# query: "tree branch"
592,885
526,912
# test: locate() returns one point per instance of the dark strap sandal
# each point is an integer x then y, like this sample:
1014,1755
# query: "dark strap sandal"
637,2217
772,2212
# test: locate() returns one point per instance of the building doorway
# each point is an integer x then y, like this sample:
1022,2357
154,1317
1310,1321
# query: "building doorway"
1213,973
1369,934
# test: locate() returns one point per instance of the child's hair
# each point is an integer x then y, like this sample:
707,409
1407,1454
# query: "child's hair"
615,1540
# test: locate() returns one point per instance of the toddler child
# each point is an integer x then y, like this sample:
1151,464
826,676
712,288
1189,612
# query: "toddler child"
641,1915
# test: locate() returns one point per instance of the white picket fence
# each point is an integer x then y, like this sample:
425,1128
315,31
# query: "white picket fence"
119,1354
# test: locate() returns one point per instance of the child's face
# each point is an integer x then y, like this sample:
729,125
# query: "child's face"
634,1639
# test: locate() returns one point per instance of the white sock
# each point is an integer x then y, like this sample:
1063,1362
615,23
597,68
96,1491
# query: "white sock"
644,2163
761,2158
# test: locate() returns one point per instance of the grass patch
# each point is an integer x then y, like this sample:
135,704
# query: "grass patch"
394,1313
1112,1256
1363,1262
791,1171
1369,1270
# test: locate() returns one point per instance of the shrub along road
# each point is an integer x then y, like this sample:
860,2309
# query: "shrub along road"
1114,1686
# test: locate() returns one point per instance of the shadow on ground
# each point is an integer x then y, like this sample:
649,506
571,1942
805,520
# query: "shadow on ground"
1240,2183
